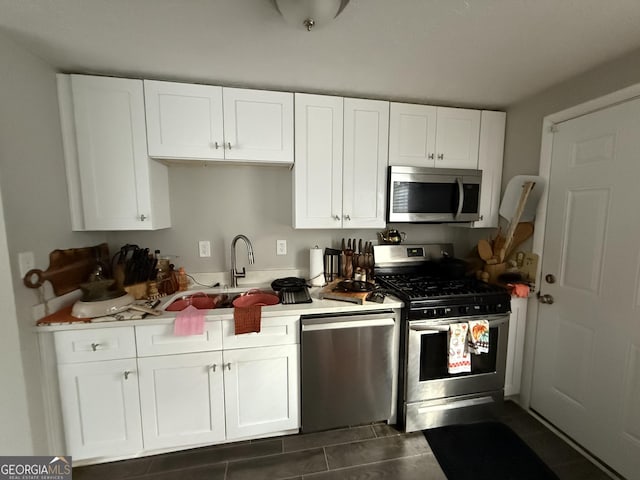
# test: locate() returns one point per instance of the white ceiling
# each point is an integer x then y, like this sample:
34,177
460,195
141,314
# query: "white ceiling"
488,53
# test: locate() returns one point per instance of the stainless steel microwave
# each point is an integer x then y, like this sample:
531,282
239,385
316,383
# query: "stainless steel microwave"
433,195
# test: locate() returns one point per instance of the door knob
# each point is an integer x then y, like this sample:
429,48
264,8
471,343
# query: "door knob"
548,299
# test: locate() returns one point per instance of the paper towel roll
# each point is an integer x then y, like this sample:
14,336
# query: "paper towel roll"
316,267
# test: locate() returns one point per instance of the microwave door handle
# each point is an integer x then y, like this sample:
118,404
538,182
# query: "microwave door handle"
460,197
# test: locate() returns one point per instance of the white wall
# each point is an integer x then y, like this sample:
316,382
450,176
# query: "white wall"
218,202
34,195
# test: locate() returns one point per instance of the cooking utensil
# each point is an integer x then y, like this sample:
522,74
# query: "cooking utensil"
522,232
512,194
256,298
484,249
526,190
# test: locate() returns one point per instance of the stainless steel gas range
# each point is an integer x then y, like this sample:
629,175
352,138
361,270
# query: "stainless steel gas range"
430,395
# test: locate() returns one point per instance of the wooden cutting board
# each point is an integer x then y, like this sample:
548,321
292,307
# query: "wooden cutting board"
353,297
68,268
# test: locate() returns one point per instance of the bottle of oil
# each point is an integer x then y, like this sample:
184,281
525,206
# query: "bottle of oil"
183,281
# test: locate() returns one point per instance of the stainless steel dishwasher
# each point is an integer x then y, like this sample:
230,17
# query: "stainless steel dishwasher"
347,369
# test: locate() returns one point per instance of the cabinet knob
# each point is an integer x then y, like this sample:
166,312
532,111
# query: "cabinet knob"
431,156
440,156
94,346
126,374
143,217
347,217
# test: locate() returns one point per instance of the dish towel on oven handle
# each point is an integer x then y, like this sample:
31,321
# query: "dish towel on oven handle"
478,336
459,358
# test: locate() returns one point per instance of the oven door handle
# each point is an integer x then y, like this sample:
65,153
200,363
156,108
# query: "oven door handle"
445,328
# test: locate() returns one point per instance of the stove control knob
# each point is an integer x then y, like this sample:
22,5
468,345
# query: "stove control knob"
464,310
441,312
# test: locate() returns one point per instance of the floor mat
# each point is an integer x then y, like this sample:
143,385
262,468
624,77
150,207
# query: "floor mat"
485,451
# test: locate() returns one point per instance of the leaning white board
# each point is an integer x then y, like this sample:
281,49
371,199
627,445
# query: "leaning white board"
512,195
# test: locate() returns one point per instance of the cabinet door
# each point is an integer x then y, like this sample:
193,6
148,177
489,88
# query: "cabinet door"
364,172
318,168
412,135
457,138
258,125
184,120
490,156
114,171
515,348
182,400
261,390
101,409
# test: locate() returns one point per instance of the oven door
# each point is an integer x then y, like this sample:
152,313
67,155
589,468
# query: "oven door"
427,373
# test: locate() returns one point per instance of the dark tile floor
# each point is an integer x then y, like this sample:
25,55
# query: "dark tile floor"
372,451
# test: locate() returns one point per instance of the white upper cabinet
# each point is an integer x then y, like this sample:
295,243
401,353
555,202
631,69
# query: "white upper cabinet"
184,120
341,162
427,136
113,184
204,122
490,158
318,169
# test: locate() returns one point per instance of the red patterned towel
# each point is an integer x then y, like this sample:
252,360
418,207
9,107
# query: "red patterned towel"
247,319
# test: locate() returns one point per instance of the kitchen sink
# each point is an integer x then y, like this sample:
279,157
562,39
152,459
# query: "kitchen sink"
208,299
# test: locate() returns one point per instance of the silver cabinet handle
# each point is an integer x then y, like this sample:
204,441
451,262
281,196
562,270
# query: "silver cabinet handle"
143,217
440,156
216,145
229,145
431,156
460,197
228,365
126,374
94,346
337,217
213,367
347,217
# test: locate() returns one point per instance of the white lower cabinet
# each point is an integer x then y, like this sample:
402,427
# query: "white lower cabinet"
175,392
261,390
100,408
182,399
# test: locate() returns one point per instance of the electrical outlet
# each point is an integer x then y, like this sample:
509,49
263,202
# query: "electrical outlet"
204,248
281,247
26,262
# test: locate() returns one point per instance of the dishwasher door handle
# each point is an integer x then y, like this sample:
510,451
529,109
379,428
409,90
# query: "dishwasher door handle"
329,325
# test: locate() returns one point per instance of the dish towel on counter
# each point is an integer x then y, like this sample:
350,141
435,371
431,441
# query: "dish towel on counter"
459,358
479,336
189,321
247,319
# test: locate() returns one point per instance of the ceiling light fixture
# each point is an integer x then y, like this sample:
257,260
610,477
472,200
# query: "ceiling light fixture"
310,14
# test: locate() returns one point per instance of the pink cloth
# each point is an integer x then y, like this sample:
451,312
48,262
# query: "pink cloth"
189,321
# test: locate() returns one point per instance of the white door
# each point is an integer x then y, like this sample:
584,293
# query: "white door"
457,138
182,399
412,135
112,152
261,390
101,408
317,172
258,125
184,120
366,133
586,377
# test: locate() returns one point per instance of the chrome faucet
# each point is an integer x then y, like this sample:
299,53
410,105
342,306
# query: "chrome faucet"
235,275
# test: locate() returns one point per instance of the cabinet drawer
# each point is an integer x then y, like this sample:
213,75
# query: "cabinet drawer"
160,340
273,331
74,346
